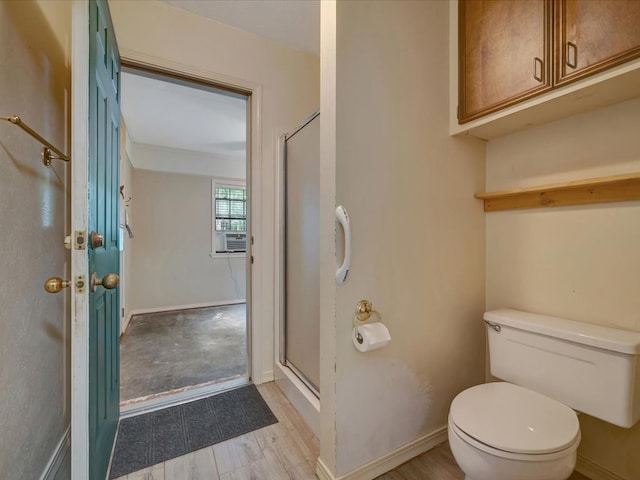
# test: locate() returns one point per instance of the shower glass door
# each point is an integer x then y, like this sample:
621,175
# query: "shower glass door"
301,326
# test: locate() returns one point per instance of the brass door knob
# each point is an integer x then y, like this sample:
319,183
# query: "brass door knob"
109,281
97,240
55,285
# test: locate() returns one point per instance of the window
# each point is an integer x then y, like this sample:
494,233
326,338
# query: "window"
230,208
228,218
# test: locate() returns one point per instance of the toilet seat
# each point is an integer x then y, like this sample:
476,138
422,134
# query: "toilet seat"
506,418
522,457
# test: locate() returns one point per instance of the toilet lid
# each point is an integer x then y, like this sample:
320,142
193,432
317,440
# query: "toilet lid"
514,419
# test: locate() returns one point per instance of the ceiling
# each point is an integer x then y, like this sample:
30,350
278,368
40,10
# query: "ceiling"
293,23
168,114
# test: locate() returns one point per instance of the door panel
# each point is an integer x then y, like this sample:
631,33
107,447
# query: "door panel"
504,54
302,260
592,36
103,185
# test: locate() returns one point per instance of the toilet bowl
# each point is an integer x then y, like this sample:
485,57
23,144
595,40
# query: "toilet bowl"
525,427
499,431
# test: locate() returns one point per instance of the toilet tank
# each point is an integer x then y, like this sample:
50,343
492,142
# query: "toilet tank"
591,368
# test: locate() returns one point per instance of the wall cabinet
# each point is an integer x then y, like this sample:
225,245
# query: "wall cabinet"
592,35
504,50
510,51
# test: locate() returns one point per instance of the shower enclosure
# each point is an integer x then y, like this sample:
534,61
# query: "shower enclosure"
298,369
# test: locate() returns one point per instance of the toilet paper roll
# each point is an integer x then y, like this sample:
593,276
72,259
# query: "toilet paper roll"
374,335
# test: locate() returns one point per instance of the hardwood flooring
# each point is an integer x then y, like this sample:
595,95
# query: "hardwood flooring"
436,464
287,450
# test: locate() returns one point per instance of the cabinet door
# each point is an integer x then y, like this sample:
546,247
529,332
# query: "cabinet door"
592,35
504,49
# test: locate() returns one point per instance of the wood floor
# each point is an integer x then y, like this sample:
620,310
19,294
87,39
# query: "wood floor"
287,450
436,464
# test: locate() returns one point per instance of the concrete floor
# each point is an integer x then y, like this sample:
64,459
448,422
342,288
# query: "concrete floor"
168,351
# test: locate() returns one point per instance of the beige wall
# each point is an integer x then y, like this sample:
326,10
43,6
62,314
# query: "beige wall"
289,82
577,262
418,233
171,221
34,342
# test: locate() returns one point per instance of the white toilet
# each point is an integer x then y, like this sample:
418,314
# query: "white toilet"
527,429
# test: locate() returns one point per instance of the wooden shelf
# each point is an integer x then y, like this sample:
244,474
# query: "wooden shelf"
617,188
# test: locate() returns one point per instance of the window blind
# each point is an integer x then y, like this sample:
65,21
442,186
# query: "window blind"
231,209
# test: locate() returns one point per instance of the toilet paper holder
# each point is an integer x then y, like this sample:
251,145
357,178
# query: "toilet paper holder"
364,311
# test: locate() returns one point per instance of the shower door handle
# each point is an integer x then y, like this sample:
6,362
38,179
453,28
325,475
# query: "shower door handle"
343,218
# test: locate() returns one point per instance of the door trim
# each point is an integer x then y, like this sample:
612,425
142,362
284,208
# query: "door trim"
79,222
186,396
132,59
79,219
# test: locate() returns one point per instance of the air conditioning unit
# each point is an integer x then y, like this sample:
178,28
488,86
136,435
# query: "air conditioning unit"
235,242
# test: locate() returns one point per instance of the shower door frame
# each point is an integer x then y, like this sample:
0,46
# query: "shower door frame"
282,263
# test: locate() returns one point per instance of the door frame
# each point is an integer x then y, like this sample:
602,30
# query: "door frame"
136,67
79,220
137,61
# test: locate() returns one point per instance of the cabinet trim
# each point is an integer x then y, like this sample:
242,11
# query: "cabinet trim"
615,188
619,84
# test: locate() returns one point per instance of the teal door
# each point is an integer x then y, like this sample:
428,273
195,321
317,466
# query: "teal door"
103,203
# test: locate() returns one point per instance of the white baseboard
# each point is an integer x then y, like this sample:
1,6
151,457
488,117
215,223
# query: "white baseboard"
126,324
594,471
389,461
268,376
172,308
56,460
322,472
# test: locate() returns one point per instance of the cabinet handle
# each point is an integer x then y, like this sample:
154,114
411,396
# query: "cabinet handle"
537,61
572,47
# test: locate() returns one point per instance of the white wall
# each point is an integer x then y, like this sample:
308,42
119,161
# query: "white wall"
288,84
577,262
34,199
163,159
171,221
418,233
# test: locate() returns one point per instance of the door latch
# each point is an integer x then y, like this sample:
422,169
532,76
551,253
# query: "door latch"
80,283
80,238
